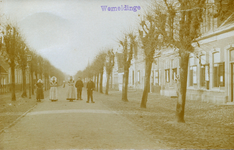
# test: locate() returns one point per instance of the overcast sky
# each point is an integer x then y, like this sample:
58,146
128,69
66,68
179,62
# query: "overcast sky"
71,32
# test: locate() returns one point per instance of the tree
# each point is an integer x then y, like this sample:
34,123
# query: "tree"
100,63
46,73
22,61
33,68
128,55
150,35
184,18
10,40
109,67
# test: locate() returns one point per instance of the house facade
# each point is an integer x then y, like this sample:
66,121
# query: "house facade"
210,75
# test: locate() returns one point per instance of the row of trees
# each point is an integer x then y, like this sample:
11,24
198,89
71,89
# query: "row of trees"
174,24
104,60
15,51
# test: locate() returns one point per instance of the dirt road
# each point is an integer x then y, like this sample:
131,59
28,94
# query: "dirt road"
75,125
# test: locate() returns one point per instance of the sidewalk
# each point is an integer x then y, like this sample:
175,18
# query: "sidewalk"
80,125
207,125
11,110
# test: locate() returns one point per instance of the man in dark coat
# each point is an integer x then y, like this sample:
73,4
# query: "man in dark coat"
90,87
79,85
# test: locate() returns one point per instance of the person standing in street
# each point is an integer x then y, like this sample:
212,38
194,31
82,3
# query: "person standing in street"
53,89
40,93
90,87
71,93
64,82
79,85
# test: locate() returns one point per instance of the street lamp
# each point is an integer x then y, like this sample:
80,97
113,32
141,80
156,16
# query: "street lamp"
29,59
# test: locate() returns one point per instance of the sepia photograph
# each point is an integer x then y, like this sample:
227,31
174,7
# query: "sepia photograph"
116,74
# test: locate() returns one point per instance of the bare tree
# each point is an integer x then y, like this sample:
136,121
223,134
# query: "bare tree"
150,35
22,61
182,29
128,55
10,40
109,67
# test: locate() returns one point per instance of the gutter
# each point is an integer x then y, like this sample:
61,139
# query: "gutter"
218,32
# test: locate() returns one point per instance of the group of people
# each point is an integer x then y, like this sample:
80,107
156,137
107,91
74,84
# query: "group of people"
71,94
74,89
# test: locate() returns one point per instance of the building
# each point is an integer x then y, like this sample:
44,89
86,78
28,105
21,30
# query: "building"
210,68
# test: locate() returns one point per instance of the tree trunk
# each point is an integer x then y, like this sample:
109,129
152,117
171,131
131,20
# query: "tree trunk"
125,87
46,83
107,83
32,83
182,87
13,98
148,65
24,94
97,81
101,78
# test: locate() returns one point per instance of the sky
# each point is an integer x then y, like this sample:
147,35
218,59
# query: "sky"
70,33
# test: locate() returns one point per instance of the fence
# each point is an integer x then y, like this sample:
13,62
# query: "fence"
7,88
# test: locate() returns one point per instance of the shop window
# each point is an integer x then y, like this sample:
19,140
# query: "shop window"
219,74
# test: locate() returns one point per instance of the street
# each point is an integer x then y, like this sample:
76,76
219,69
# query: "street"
77,124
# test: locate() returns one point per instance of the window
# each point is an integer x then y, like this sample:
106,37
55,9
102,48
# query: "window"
167,75
218,71
174,73
232,56
202,75
203,71
138,76
192,71
167,70
218,74
174,68
156,76
133,77
152,77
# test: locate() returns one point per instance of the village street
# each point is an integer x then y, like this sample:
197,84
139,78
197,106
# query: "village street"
69,125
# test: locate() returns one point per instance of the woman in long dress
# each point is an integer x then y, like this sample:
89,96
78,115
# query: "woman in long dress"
71,93
53,89
40,93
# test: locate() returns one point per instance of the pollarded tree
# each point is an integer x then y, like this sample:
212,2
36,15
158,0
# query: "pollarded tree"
184,18
101,58
127,59
110,56
22,61
151,39
47,73
10,48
